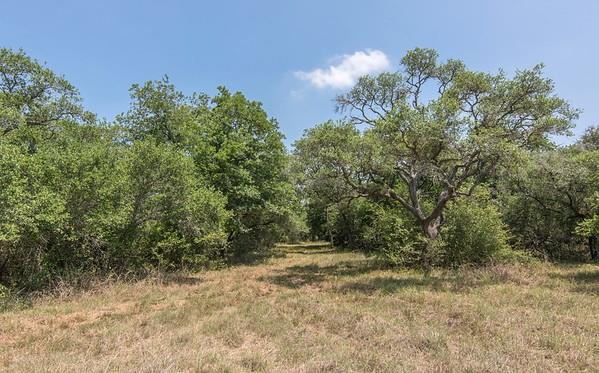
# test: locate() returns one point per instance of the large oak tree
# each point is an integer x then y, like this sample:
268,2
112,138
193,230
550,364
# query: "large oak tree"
432,133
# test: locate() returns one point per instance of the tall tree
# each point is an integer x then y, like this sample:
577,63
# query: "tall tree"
241,152
160,112
236,148
433,133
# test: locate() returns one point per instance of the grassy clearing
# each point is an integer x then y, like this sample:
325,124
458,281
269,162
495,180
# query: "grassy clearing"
313,309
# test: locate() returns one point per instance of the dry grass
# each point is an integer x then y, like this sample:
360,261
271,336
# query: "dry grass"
317,310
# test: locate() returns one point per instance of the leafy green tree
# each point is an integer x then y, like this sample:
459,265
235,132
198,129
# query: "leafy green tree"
236,148
32,95
160,112
433,133
80,197
84,203
174,219
549,196
243,156
29,210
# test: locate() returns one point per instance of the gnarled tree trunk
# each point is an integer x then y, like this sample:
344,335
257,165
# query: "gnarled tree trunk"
430,228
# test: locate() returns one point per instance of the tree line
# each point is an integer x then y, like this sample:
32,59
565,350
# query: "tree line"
175,182
434,165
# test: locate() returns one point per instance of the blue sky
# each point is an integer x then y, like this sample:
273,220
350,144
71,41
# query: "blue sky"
260,47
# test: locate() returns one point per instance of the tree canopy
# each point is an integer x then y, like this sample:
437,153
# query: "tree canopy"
33,95
435,164
434,132
175,182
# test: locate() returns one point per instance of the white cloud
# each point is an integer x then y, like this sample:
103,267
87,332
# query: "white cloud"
347,70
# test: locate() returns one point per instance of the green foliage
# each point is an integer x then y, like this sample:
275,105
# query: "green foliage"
242,155
29,211
179,182
174,220
474,232
85,203
10,300
394,237
33,95
590,139
549,199
161,112
236,148
432,133
589,226
348,221
187,181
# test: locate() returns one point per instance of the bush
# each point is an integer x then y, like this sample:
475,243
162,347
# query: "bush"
473,232
348,221
393,237
32,213
9,300
178,181
174,220
87,204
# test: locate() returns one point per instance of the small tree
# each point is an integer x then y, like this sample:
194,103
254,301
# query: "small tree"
433,133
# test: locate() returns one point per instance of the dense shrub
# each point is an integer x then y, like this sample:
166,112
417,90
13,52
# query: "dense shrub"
85,203
473,232
344,223
545,234
174,219
31,212
549,199
349,221
236,148
178,181
393,236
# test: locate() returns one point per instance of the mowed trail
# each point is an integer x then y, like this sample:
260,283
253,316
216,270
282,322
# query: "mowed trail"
313,309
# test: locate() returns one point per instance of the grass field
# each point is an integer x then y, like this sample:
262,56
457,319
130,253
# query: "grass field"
311,309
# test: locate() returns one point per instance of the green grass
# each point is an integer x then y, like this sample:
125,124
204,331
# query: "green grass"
312,309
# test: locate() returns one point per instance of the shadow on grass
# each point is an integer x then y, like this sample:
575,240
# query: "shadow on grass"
309,251
586,280
295,277
370,276
389,284
256,257
313,274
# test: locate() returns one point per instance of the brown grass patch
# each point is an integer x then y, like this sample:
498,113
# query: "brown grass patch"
313,309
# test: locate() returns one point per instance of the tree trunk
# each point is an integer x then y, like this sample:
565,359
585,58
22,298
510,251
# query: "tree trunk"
594,247
431,232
